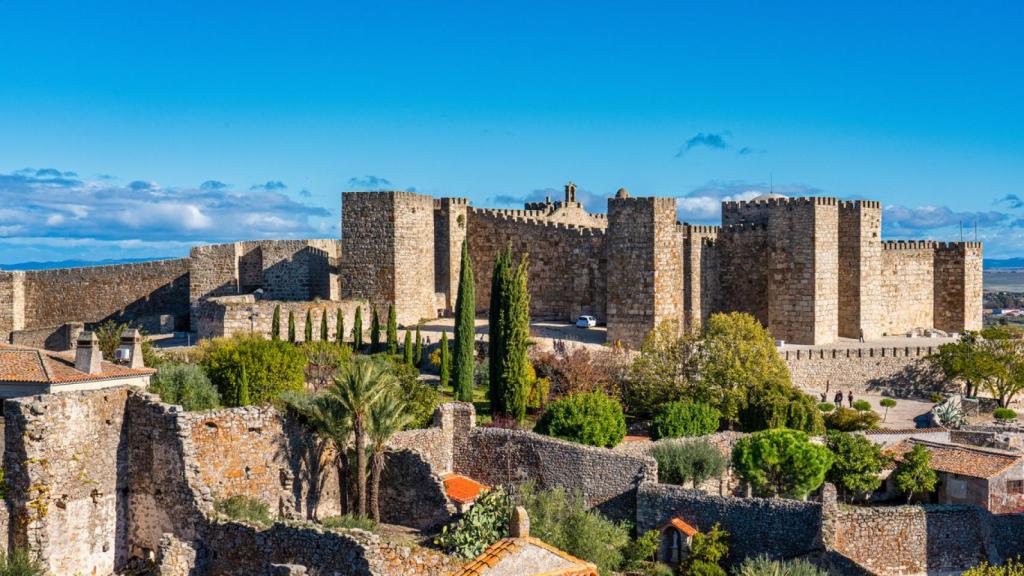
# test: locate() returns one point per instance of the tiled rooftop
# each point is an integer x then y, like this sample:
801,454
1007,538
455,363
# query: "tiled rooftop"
462,489
31,365
506,549
959,459
679,525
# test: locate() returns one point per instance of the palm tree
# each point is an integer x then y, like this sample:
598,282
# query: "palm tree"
330,420
356,391
388,416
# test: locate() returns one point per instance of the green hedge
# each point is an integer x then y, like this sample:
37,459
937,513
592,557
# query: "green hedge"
684,418
589,418
254,371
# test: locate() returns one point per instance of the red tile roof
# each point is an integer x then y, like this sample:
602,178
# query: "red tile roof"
462,489
32,365
678,524
958,459
503,548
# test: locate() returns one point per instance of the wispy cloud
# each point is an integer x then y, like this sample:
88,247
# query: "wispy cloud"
368,183
704,204
1012,201
747,151
712,140
213,185
269,186
902,220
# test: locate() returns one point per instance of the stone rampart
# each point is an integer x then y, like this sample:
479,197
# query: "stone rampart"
908,286
231,315
900,371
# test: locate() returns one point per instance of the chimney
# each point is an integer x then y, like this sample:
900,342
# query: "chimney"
88,357
130,350
519,524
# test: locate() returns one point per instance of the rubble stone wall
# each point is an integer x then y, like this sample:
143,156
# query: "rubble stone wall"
230,315
903,372
57,338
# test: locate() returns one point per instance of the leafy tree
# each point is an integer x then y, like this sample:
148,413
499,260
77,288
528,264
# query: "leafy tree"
913,474
781,462
664,371
682,462
589,418
465,329
291,326
446,361
483,524
392,330
324,361
388,415
501,279
641,551
1013,567
357,330
254,367
684,418
339,328
856,462
706,552
307,332
886,403
275,323
1004,346
965,360
375,332
418,355
186,385
775,405
407,350
324,337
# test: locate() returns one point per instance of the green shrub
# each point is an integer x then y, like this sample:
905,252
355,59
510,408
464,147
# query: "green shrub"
348,521
589,418
483,524
862,406
680,462
1014,567
20,563
1004,414
936,398
856,463
706,551
421,399
780,406
848,420
826,406
781,462
186,385
244,509
253,370
764,566
640,552
684,418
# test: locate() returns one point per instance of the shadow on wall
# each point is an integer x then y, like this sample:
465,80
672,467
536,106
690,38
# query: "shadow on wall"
412,494
915,380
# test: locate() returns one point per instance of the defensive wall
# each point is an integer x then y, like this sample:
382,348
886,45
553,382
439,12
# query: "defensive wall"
899,371
244,314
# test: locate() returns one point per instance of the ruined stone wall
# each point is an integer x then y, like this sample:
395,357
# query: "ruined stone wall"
64,462
860,269
566,265
450,226
260,453
779,528
230,315
958,286
908,284
388,247
901,371
137,293
644,269
698,295
57,338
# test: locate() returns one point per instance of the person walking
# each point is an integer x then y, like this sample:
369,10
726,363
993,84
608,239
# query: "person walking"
839,399
849,397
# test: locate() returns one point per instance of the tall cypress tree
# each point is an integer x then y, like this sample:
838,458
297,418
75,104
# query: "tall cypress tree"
407,351
375,332
446,361
496,328
392,330
291,326
515,369
339,328
465,329
323,326
418,356
357,330
275,324
307,333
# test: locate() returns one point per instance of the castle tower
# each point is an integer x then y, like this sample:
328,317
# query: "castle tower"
388,252
645,267
958,286
860,269
450,224
12,303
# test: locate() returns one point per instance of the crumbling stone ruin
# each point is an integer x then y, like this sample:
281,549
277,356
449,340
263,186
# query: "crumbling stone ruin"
811,269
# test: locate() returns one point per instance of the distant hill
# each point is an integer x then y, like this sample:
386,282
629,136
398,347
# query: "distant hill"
72,263
996,263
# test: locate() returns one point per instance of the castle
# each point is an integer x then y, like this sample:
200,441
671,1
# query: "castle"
813,270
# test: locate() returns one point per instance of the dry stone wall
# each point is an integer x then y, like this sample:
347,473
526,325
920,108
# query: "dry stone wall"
903,372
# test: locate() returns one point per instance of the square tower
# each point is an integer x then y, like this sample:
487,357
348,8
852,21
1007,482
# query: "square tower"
958,286
860,269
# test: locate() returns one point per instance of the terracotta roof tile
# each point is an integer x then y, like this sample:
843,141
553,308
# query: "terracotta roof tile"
506,546
32,365
678,524
959,459
462,489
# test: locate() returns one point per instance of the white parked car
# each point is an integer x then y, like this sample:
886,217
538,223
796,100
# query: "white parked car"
586,322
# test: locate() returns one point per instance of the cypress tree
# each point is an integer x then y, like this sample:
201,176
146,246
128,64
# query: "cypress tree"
357,330
339,328
418,356
243,388
392,330
323,326
516,365
375,332
446,361
497,327
275,324
308,332
465,328
407,348
291,326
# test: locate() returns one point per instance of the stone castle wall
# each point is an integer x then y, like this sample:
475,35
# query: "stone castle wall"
908,283
566,263
450,228
700,274
860,269
231,315
958,286
902,371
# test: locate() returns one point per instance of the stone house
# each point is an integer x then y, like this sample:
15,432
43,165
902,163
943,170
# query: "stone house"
986,477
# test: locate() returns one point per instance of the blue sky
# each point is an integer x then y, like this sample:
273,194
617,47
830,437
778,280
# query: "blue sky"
135,129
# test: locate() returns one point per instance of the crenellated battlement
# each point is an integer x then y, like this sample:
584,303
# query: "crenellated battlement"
872,352
531,218
958,246
909,245
450,201
781,201
852,204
